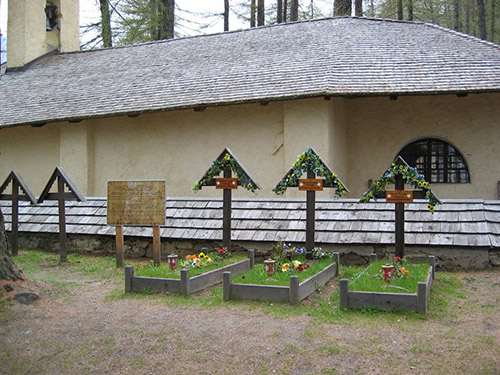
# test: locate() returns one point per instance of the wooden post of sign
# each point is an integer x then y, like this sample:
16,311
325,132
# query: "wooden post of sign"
400,220
120,258
156,245
226,214
311,215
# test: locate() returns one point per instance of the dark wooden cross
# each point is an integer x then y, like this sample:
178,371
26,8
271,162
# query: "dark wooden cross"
400,196
61,196
227,183
311,185
20,192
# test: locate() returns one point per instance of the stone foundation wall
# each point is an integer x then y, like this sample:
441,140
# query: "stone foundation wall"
447,258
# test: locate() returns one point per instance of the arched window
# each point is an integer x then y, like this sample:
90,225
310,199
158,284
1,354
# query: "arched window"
437,160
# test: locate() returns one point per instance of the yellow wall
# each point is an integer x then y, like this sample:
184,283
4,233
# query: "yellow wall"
377,129
358,138
33,152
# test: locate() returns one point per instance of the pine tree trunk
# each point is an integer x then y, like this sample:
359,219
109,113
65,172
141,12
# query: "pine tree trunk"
226,15
492,21
260,12
253,9
358,8
294,10
467,17
342,8
481,19
410,10
456,15
279,15
105,24
285,10
8,269
400,10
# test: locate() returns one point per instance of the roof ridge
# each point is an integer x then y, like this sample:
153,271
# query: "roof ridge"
461,34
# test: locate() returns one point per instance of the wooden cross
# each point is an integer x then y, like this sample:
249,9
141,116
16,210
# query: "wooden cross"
400,196
226,183
61,196
311,185
20,192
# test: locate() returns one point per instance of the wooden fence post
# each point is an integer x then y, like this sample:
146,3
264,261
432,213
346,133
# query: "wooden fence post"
344,289
251,256
184,287
226,283
129,272
422,298
336,256
294,290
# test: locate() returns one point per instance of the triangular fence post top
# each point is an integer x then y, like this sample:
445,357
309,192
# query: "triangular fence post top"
14,176
227,160
73,194
311,160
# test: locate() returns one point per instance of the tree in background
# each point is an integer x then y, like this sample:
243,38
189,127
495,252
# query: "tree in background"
143,20
342,8
105,24
134,21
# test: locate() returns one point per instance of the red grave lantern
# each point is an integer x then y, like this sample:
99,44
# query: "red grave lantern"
269,265
387,271
172,260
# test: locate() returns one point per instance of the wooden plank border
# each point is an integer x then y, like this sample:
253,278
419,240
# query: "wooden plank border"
185,285
293,294
389,301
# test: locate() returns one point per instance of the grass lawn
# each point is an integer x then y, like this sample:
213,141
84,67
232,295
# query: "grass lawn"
369,280
258,275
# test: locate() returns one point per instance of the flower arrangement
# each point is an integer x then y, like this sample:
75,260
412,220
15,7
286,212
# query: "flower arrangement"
292,259
223,252
394,271
223,162
197,261
410,176
305,161
294,266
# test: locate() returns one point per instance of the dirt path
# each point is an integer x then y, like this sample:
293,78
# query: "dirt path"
75,328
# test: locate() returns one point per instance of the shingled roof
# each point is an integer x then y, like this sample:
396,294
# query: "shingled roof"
330,57
458,223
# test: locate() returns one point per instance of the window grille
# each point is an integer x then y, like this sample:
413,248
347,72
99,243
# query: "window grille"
437,160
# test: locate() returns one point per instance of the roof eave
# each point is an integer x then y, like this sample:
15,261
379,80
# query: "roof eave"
264,101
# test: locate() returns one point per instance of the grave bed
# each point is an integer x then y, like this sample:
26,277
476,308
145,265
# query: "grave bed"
389,301
293,294
185,285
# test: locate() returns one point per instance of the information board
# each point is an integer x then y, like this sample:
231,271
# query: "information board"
136,202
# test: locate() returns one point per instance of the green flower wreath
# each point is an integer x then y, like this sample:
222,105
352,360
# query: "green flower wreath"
218,166
310,160
410,175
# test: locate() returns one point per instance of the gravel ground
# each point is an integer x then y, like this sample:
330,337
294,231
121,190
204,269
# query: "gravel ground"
85,325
